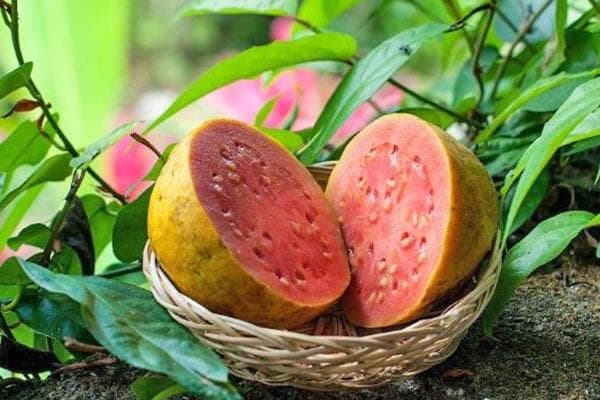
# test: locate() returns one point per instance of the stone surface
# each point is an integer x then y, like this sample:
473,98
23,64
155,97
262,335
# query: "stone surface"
547,346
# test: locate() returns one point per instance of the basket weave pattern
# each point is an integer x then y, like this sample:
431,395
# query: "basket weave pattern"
328,353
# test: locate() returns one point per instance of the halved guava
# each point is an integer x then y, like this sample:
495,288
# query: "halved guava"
239,225
418,212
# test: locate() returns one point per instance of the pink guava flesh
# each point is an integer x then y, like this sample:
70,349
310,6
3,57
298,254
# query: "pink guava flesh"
391,193
269,212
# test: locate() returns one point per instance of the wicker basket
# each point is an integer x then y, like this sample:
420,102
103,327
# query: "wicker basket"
328,353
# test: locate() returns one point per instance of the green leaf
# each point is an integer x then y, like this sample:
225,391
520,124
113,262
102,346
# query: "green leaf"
15,79
582,145
35,235
363,80
265,110
155,387
533,200
130,230
52,314
101,219
320,13
54,169
253,61
541,86
588,128
290,140
543,244
127,321
436,117
11,273
98,147
582,102
594,222
275,8
24,146
17,213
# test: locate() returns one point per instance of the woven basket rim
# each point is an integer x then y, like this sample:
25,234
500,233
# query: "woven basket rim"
483,273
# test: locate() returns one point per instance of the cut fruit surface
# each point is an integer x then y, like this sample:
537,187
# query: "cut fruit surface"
418,212
240,226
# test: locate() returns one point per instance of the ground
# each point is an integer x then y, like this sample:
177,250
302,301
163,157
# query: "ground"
547,346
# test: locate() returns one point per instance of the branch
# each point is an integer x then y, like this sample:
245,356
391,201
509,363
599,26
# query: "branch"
57,225
75,345
84,365
476,68
37,95
523,30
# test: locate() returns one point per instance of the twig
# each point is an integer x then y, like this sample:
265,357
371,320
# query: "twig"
376,106
307,25
523,30
5,16
476,67
75,345
460,23
142,140
57,225
121,271
34,91
432,103
514,28
83,365
425,100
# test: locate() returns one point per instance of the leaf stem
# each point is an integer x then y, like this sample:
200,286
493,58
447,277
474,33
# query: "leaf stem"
58,222
476,67
37,95
142,140
523,30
